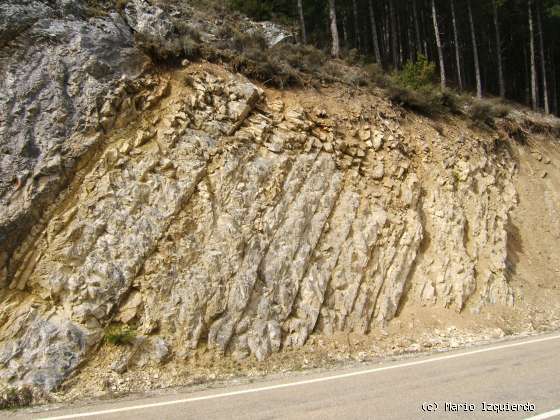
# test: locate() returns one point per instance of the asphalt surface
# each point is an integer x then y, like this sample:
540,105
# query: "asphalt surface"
525,372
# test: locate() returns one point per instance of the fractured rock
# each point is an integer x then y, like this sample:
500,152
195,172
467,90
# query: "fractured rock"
378,172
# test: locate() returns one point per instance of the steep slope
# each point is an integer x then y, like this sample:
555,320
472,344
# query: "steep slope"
215,216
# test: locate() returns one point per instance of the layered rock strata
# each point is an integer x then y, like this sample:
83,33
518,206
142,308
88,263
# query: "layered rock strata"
230,218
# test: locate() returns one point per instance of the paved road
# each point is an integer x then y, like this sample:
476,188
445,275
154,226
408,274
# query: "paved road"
520,371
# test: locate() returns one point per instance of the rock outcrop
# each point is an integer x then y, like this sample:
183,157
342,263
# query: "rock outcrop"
204,211
59,70
248,225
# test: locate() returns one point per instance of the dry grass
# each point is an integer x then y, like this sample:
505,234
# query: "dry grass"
12,398
485,111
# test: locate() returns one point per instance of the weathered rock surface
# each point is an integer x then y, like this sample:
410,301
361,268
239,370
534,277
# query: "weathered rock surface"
205,212
59,85
201,231
149,20
273,34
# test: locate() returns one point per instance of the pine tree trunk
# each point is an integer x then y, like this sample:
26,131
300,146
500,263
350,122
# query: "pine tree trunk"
424,25
475,53
335,50
302,22
375,39
534,94
410,42
527,83
345,30
366,46
387,33
394,44
501,81
400,41
439,46
357,39
543,60
554,87
416,28
457,50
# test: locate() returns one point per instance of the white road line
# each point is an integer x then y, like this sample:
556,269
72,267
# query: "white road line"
306,382
547,415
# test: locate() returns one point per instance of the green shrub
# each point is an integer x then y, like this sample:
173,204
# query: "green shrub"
418,74
413,88
16,398
119,335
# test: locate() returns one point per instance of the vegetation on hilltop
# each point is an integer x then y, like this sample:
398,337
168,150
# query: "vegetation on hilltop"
406,47
506,48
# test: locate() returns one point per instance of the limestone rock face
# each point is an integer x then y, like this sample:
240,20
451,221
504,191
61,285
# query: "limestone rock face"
146,19
273,34
16,16
205,212
59,84
470,217
222,219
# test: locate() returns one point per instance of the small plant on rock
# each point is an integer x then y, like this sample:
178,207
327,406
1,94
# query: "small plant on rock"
119,335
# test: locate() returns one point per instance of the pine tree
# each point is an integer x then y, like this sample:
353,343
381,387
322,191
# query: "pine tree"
543,60
375,38
417,28
534,94
457,47
501,82
475,52
302,22
335,48
439,46
394,41
357,40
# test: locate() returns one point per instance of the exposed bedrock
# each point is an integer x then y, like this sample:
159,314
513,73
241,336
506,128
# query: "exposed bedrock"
224,217
205,212
64,78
